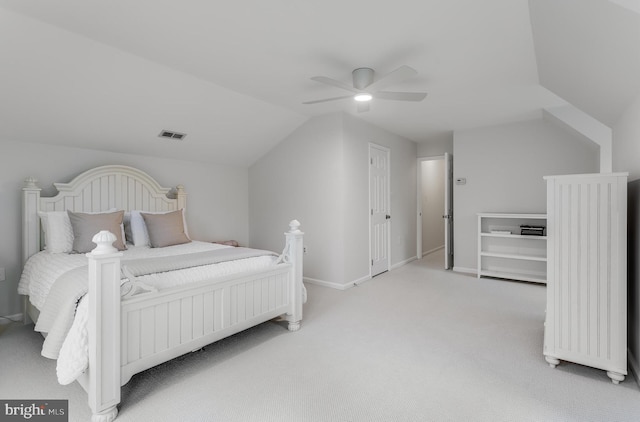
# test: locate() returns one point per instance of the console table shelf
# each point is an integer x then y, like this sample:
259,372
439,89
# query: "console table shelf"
505,253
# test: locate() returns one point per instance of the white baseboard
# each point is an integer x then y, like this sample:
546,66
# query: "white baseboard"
401,263
353,283
361,280
8,319
432,251
633,365
465,270
330,284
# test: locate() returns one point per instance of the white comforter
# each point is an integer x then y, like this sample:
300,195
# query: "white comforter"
44,268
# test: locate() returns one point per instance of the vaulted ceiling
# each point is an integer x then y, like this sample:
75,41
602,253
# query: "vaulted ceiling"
233,75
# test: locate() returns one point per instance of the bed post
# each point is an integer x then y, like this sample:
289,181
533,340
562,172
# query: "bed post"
30,222
104,328
181,197
30,229
295,249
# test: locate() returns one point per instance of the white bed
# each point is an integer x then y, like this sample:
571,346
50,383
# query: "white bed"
166,316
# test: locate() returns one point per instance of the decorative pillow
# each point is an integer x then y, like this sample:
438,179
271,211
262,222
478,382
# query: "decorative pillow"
165,229
136,230
58,234
85,226
126,222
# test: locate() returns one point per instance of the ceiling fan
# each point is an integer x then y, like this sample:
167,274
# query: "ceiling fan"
364,88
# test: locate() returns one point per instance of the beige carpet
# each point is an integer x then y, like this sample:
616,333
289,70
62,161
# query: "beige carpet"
414,344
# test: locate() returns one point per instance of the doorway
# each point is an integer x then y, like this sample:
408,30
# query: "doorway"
434,214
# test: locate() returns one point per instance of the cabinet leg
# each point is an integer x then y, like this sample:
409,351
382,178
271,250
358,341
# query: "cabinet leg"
294,325
553,362
106,416
616,377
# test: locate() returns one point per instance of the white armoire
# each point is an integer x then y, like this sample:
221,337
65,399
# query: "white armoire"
586,317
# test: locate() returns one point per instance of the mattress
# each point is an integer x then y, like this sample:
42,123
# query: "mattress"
44,268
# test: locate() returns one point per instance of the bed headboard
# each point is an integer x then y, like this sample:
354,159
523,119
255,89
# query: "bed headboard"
99,189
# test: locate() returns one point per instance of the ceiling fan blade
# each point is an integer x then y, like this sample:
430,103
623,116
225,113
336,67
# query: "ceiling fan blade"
328,99
400,96
362,107
333,82
398,75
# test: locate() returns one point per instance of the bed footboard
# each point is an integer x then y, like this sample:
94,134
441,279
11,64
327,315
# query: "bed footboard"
127,336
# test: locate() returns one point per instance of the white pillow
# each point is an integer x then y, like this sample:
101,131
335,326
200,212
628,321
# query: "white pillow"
58,232
136,230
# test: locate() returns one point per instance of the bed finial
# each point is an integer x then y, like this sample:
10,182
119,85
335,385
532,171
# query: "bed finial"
31,183
181,197
294,226
104,240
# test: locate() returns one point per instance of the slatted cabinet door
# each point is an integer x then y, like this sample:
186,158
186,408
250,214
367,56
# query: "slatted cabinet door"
586,319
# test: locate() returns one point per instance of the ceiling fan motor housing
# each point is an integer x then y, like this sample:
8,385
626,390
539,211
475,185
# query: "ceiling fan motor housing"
362,77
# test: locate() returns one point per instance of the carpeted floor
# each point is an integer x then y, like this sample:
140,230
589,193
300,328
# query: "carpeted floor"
415,344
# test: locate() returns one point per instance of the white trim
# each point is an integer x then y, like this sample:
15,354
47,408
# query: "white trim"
432,251
473,271
361,280
8,319
431,158
337,286
330,284
357,282
633,366
405,262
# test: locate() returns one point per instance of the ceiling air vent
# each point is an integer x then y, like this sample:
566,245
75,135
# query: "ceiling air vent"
173,135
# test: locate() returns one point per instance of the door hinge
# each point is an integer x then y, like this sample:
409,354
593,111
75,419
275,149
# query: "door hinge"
372,262
371,211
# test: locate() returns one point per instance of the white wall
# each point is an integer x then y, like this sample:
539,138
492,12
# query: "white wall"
436,145
302,178
626,141
217,202
358,134
432,176
504,166
319,175
626,157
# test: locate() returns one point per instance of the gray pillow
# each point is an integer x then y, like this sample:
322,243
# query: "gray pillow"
165,229
85,226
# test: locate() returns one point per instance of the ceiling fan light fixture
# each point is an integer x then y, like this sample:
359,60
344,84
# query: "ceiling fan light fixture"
364,88
363,97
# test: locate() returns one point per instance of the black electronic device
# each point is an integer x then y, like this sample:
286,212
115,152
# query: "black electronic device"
527,230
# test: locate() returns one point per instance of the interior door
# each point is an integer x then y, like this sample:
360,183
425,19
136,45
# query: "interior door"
448,211
379,204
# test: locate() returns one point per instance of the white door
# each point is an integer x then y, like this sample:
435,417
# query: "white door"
380,217
448,211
